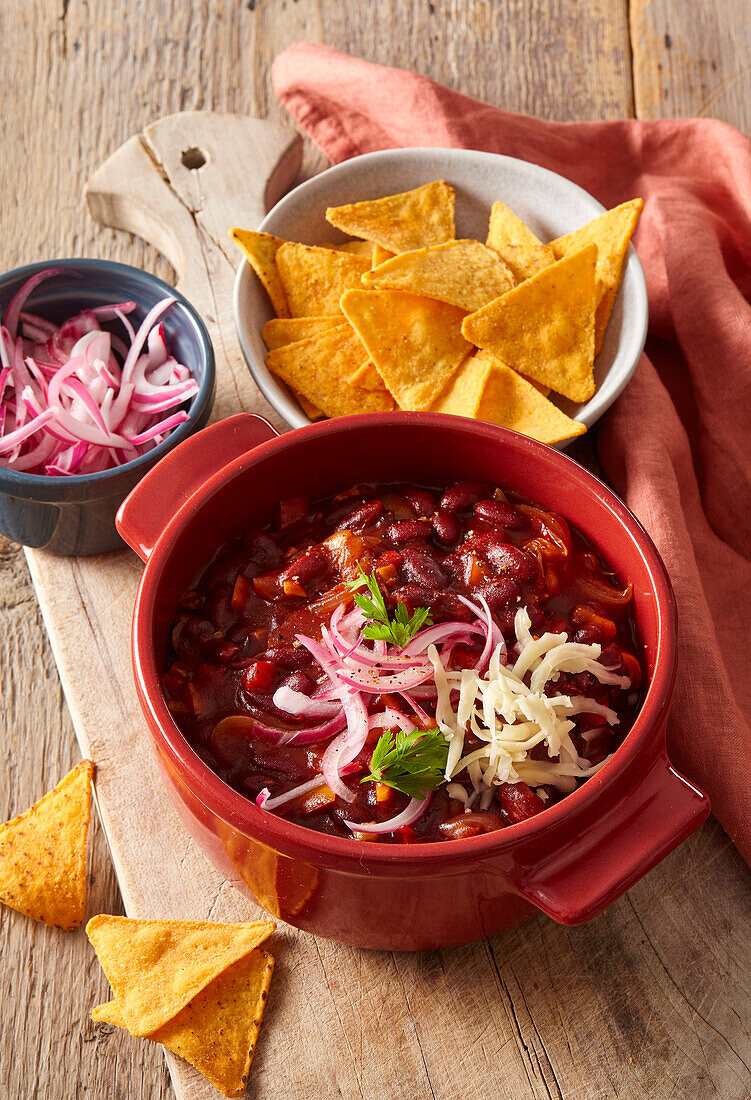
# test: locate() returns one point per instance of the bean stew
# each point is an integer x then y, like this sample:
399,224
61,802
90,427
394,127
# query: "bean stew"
303,671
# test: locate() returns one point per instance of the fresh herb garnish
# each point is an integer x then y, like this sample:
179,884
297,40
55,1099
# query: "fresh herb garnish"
412,763
398,630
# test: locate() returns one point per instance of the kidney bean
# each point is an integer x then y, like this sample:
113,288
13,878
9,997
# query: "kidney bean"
421,500
588,635
419,566
443,606
298,681
499,514
220,606
519,801
288,658
448,606
189,636
192,601
362,516
408,530
310,564
611,657
446,527
463,495
341,509
415,595
265,551
501,593
504,557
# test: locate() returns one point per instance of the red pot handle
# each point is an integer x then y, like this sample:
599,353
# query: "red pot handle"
145,513
579,879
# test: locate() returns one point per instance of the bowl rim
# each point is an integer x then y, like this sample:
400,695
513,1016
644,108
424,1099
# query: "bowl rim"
288,408
322,849
197,406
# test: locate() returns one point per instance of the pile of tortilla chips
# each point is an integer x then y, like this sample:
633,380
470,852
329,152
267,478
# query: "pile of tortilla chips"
406,316
196,987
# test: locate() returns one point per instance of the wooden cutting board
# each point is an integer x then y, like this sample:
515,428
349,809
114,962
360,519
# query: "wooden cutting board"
340,1022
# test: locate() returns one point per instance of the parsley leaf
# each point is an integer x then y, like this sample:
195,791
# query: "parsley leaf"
401,629
412,763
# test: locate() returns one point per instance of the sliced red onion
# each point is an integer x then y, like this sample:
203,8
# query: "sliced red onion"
414,810
303,706
264,801
390,717
67,405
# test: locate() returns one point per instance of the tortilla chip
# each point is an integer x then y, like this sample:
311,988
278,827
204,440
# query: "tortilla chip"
463,273
357,248
320,369
155,967
311,411
288,330
401,223
544,328
217,1031
415,342
611,232
461,395
43,853
380,255
513,402
516,244
260,251
367,378
314,279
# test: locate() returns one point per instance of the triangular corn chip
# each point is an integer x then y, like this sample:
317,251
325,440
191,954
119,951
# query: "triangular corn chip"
544,328
516,244
367,377
611,232
314,279
415,342
43,853
311,411
217,1031
401,223
380,255
461,396
155,967
513,402
320,368
463,273
260,251
357,248
288,330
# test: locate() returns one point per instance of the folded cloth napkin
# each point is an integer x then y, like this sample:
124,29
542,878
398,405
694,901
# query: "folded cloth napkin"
676,444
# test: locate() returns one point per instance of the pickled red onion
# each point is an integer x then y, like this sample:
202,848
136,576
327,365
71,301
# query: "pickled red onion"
67,405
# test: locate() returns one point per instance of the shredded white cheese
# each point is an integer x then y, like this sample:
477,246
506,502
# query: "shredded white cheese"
511,718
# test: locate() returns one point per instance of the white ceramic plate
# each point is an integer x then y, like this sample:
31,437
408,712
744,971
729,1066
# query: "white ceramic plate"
548,203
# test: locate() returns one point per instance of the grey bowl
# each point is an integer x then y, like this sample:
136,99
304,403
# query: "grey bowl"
76,515
550,204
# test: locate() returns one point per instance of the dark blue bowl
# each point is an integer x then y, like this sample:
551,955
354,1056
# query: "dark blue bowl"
76,515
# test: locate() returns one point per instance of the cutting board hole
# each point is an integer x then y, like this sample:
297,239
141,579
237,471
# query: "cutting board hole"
193,158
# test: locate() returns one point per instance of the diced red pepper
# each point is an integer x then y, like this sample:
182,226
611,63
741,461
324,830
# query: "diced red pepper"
259,676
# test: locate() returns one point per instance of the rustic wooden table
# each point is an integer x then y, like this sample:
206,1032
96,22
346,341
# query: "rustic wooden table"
653,998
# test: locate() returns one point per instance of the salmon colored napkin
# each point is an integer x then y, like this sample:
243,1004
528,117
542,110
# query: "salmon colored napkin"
676,444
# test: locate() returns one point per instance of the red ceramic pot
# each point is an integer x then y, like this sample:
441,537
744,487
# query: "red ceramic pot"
568,862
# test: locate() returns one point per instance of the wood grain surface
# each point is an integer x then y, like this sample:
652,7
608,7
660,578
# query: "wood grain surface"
649,1000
